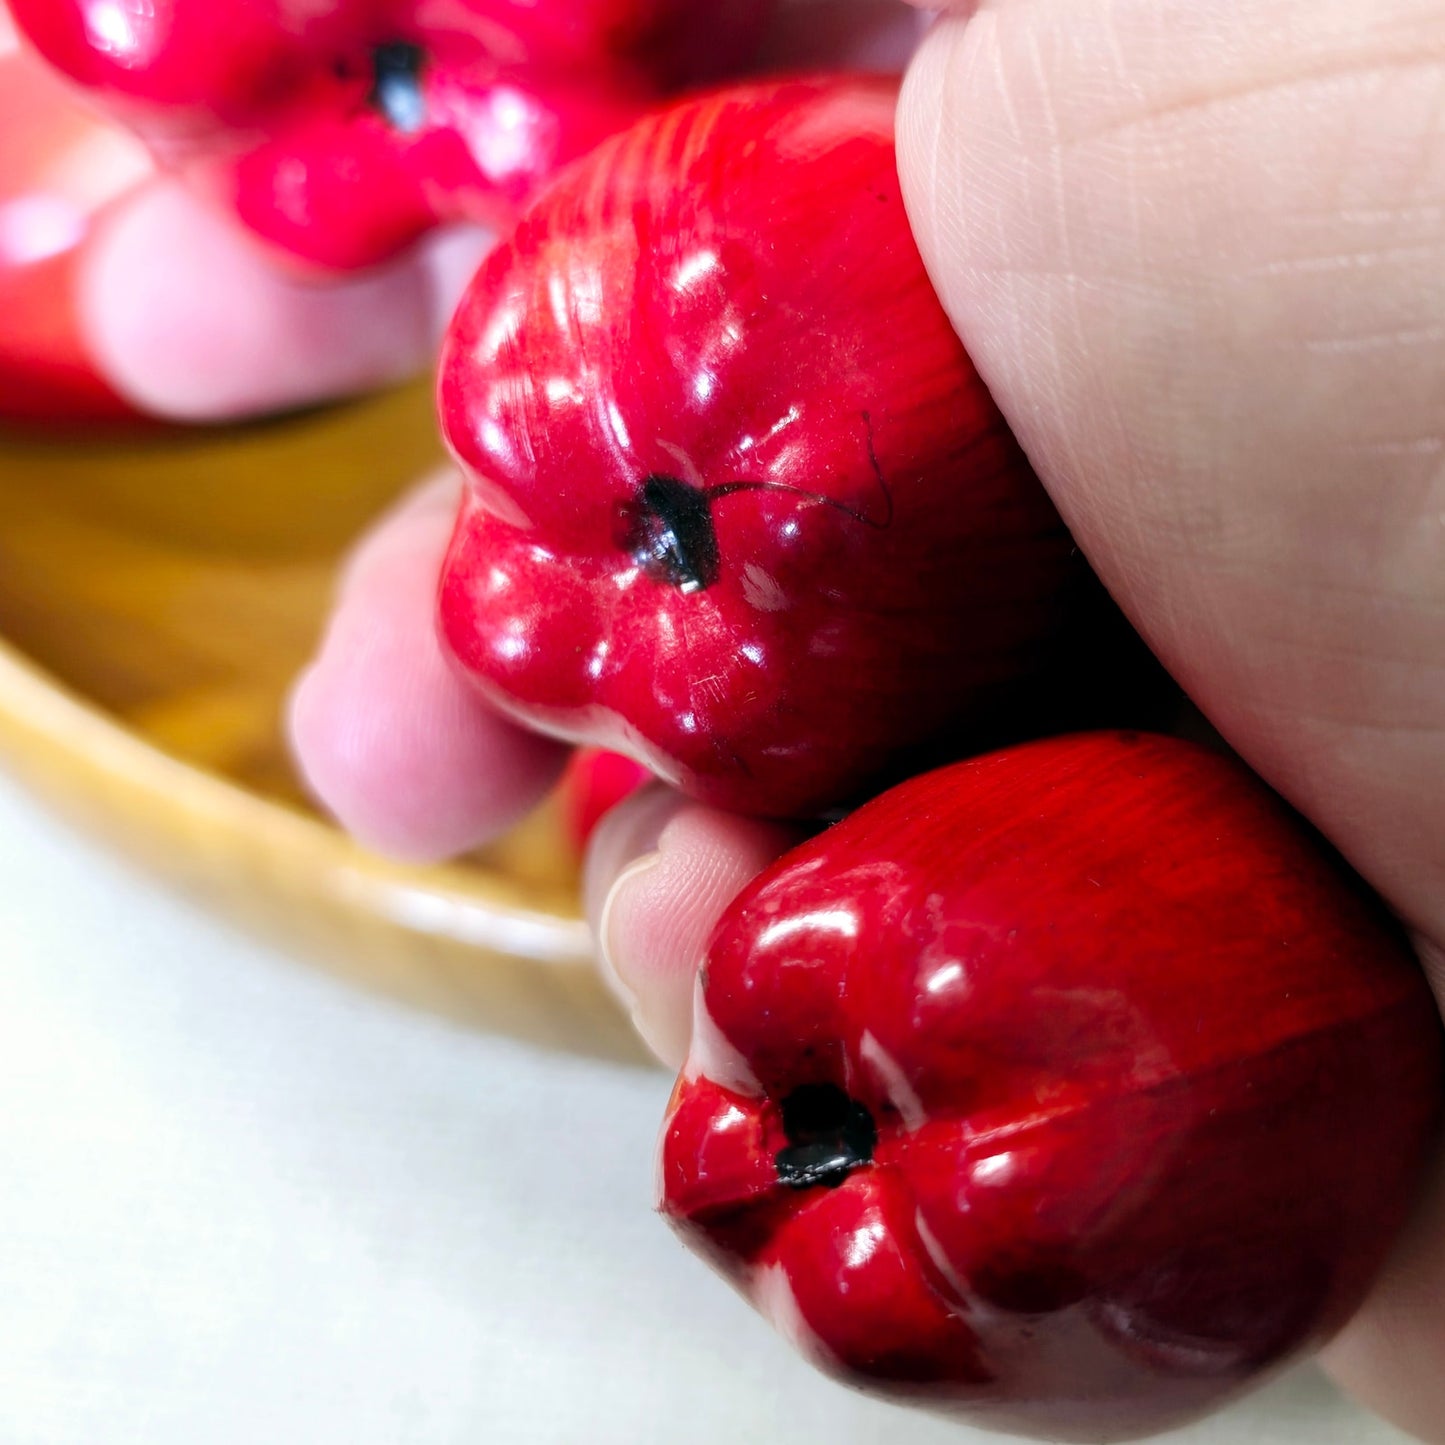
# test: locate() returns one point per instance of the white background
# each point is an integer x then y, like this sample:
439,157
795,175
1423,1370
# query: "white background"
242,1203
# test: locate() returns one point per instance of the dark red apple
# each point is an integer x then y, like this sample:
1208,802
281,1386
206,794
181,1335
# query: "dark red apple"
738,503
342,131
1072,1089
60,167
593,783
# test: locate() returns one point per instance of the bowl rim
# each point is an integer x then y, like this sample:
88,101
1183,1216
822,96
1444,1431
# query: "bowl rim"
58,743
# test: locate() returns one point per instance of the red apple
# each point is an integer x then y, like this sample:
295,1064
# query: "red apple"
342,131
1071,1089
593,783
738,503
60,167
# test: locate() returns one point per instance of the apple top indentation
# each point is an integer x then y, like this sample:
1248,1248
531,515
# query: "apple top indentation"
667,530
829,1136
477,101
396,89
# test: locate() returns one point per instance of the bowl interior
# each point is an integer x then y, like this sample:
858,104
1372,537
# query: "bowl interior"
174,583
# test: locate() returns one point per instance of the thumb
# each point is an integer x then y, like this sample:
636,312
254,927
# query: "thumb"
1196,251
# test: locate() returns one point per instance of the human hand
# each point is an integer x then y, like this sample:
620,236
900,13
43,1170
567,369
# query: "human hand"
1194,251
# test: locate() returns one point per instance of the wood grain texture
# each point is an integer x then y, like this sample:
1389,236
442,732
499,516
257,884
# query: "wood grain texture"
157,596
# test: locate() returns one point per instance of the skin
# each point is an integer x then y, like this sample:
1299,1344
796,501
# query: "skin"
1196,252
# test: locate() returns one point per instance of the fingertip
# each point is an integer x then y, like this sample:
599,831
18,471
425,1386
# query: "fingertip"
622,849
924,135
388,737
660,874
192,320
417,526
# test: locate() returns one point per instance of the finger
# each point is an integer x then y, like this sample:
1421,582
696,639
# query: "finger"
1194,253
659,874
388,736
1191,250
190,319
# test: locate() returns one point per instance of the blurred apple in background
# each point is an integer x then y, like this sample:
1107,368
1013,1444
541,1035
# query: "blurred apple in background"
342,132
60,168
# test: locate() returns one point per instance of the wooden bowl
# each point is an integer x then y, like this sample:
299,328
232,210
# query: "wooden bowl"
157,596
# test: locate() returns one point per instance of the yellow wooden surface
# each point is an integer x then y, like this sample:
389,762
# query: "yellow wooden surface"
157,596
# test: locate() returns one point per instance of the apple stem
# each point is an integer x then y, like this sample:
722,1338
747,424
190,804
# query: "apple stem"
668,526
829,1136
668,530
396,86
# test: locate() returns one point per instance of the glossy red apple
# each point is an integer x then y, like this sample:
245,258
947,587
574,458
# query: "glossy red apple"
738,503
1070,1089
593,783
342,131
60,168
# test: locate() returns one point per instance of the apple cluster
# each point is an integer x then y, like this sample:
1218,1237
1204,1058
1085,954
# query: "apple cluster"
1072,1088
342,131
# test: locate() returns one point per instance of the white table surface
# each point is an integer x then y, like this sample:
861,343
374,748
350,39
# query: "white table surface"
241,1204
